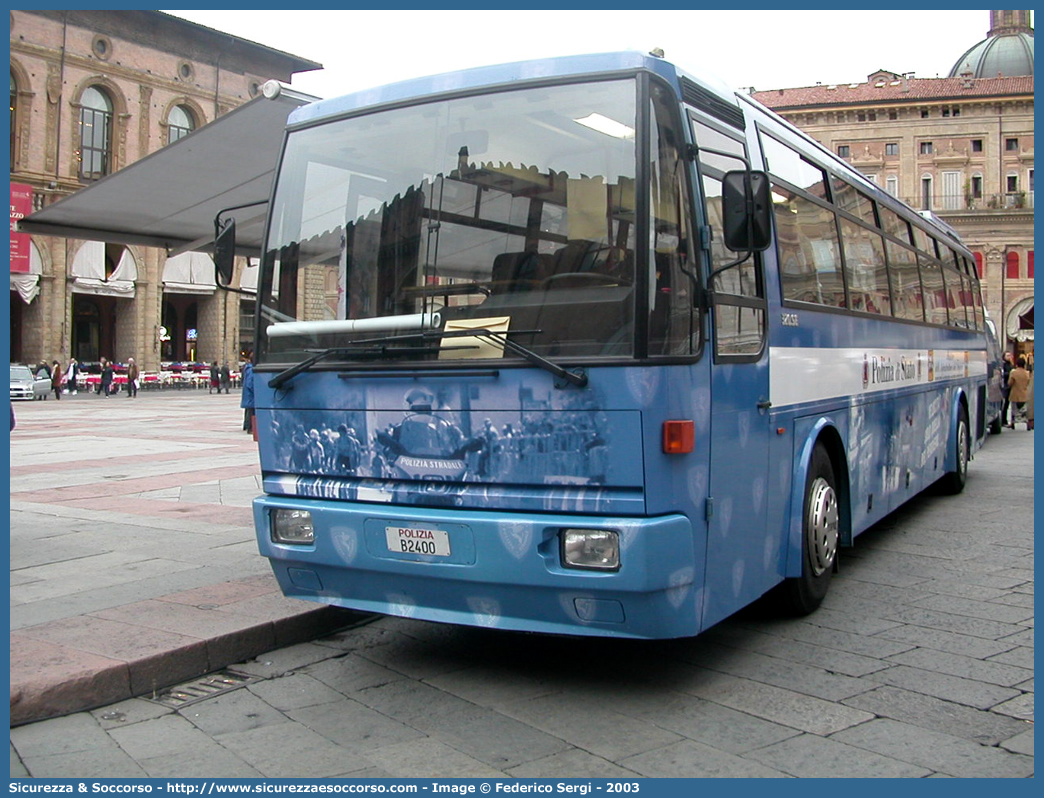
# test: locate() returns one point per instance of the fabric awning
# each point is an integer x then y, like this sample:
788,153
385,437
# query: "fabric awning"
189,273
169,198
27,284
248,279
1019,326
88,271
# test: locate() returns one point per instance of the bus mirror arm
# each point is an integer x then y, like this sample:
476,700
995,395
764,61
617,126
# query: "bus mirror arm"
720,269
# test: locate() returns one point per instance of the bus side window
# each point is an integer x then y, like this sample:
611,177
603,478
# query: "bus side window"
809,254
934,291
866,274
806,227
954,294
976,294
865,269
739,305
906,282
966,298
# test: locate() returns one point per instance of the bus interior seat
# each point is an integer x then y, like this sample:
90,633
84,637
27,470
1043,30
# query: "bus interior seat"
581,257
517,271
578,255
593,316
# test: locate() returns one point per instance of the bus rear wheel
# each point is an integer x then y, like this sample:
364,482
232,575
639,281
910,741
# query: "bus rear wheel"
954,481
821,534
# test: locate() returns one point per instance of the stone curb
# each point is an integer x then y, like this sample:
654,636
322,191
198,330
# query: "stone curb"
67,679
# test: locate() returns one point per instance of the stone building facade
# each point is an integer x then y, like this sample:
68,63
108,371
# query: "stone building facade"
960,146
91,92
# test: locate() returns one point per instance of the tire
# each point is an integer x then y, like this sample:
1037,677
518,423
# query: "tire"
821,534
953,482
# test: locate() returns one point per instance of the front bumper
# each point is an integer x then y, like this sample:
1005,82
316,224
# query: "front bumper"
503,570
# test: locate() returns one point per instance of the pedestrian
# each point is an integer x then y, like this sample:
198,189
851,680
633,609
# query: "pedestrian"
246,400
132,378
1018,384
71,374
215,379
226,377
57,378
1006,367
105,385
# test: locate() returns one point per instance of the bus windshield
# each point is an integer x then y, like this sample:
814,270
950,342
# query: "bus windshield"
511,211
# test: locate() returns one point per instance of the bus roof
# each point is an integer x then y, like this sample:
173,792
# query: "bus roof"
501,75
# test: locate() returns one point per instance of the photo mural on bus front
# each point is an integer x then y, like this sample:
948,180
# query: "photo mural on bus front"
435,436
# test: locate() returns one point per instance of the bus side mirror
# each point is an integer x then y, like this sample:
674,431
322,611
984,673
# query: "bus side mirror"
746,211
224,250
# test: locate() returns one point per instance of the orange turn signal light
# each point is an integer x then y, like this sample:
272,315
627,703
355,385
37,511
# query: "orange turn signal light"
679,437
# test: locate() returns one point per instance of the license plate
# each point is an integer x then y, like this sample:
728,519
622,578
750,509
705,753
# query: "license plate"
411,540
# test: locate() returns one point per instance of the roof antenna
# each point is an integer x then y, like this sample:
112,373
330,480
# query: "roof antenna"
656,52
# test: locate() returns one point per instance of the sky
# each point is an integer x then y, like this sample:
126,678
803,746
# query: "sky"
764,49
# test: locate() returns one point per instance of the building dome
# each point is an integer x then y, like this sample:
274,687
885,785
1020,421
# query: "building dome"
1007,49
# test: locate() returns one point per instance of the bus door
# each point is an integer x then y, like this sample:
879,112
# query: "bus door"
741,558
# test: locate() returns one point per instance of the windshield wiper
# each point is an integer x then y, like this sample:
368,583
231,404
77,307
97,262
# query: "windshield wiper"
377,347
358,350
577,376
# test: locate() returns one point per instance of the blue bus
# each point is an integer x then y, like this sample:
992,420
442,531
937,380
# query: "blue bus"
593,346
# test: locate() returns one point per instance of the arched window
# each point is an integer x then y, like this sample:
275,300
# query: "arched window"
1013,266
12,119
180,123
95,134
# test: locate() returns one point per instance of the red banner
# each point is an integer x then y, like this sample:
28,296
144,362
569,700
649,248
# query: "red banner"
21,205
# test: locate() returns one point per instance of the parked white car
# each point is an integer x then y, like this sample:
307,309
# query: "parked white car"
24,385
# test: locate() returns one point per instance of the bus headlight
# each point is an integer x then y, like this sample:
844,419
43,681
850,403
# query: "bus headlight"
592,549
293,527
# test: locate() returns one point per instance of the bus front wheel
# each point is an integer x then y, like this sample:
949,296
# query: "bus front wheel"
821,534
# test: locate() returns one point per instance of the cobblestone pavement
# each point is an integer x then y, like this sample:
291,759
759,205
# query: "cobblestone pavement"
919,664
133,559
